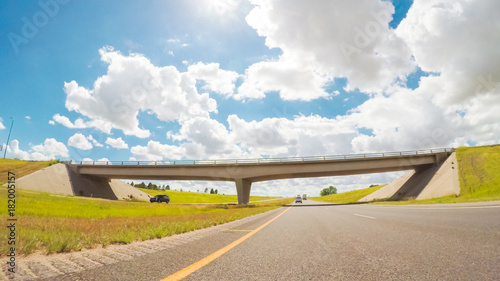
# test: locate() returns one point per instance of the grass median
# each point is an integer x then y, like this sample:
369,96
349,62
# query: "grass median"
196,197
348,197
48,223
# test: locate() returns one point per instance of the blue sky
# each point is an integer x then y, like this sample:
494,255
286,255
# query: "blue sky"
127,80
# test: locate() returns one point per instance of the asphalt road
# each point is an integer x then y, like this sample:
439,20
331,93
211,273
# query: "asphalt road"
315,241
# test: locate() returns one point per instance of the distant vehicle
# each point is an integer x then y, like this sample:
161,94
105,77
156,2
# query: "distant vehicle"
304,196
159,199
298,199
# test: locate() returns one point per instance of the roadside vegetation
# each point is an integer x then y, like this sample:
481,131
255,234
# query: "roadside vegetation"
328,191
48,223
347,197
479,172
196,197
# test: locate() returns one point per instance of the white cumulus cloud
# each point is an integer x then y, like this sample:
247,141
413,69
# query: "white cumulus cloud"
206,138
116,143
320,42
133,85
302,136
216,79
80,141
155,151
292,81
47,150
79,123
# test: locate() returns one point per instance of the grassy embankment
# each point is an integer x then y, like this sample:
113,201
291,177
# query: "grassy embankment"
479,177
195,197
21,168
50,223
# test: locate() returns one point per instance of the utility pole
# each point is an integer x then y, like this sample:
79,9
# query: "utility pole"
8,138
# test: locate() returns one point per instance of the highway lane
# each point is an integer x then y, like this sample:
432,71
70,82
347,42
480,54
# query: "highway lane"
366,242
316,241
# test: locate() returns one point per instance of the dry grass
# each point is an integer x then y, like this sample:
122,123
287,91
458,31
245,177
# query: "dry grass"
53,224
197,197
49,224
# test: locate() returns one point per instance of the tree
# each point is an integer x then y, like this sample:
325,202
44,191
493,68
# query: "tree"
206,189
328,191
216,191
167,187
211,191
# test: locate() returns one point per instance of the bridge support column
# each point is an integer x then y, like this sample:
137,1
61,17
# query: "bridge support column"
243,190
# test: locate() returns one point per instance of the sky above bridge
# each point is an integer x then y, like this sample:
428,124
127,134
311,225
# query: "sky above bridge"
200,79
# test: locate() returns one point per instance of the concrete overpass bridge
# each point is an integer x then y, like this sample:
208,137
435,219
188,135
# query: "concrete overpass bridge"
246,171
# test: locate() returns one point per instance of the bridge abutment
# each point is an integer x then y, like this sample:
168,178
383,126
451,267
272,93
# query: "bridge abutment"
63,179
425,182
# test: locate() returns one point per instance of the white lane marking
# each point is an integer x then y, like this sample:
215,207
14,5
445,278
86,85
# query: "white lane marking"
443,208
452,208
363,216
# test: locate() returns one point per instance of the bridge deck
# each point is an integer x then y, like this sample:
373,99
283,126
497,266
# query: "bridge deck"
264,168
245,171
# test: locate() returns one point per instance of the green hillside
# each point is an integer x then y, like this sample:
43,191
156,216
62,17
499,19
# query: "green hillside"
348,197
479,172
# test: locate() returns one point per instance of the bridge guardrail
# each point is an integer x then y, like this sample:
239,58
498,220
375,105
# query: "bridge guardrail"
266,160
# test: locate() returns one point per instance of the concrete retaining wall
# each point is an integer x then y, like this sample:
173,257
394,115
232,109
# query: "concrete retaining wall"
61,180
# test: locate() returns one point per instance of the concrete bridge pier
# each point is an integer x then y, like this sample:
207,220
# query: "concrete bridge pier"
243,187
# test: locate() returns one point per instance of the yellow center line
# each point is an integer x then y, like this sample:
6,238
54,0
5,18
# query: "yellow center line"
201,263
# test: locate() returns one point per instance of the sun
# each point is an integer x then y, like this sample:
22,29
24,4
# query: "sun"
221,7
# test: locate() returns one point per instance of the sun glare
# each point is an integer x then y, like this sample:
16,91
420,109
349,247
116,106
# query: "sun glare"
221,7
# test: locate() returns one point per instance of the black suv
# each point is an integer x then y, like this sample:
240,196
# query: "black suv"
159,199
